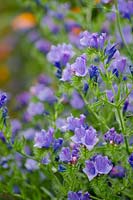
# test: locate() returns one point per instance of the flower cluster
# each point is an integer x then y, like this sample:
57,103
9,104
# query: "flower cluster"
113,137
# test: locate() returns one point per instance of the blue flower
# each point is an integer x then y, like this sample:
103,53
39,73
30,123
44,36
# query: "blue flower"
85,87
94,72
57,144
3,99
61,168
130,160
115,72
109,52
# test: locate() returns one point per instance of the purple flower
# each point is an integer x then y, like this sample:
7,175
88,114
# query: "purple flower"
125,106
60,54
79,134
78,195
2,137
98,165
130,160
61,124
92,40
43,45
49,22
113,137
31,165
119,63
75,39
75,122
15,125
110,95
125,8
127,33
23,98
90,169
117,172
3,99
4,162
35,109
27,150
33,36
90,138
28,134
74,195
105,1
44,79
43,93
85,37
79,67
70,24
65,154
46,94
46,160
103,164
76,101
118,139
67,73
16,189
44,138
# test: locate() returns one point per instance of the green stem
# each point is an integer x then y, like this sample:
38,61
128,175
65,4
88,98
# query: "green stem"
27,156
48,193
89,7
120,115
123,100
96,198
99,119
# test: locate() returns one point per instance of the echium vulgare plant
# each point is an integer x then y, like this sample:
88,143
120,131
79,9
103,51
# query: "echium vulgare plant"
75,138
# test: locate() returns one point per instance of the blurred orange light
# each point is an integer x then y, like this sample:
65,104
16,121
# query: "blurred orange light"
24,21
5,50
76,9
4,74
97,1
76,30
